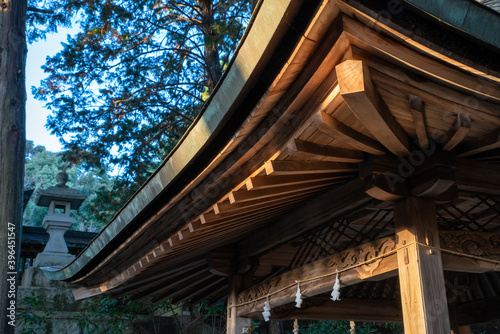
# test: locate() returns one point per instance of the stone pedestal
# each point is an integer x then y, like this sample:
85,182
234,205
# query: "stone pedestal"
56,224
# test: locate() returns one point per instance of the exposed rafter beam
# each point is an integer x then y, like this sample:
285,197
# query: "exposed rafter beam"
479,178
225,206
304,150
329,205
269,181
489,142
248,195
335,129
417,113
177,286
358,91
205,292
204,286
457,132
274,167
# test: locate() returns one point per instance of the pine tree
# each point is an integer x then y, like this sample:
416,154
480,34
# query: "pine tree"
123,91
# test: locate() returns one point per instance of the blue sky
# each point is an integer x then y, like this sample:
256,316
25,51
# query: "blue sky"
36,114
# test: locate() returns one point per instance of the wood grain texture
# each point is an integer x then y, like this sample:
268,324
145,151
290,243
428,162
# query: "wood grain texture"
359,93
417,112
384,267
457,132
305,150
332,127
423,293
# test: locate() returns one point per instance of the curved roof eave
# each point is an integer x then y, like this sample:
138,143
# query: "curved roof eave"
256,48
467,16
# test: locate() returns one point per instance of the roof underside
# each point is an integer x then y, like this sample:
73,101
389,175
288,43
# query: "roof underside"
288,165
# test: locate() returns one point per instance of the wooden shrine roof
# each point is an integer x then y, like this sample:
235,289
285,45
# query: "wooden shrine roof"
327,114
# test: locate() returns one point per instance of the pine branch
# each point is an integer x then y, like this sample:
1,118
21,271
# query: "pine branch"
39,10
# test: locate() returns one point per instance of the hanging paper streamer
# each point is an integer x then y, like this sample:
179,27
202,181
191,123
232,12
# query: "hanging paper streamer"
298,296
336,289
266,314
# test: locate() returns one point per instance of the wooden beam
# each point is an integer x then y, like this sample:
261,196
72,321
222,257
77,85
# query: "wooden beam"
333,203
235,324
392,50
479,177
222,261
488,142
303,150
164,275
316,272
337,130
275,167
493,154
417,113
423,293
359,93
225,206
205,293
323,308
203,286
173,283
433,182
457,132
270,181
248,195
379,188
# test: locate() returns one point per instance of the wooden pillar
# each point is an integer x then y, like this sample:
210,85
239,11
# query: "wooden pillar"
423,294
235,324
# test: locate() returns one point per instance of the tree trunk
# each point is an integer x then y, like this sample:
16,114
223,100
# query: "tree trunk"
214,69
12,145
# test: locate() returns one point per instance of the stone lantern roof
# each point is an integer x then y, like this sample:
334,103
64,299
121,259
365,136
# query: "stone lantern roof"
61,192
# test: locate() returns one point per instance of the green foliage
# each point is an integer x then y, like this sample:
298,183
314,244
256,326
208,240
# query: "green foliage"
41,168
108,315
34,319
123,90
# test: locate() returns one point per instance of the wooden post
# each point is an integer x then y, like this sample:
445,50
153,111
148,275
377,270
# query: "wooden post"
235,324
423,294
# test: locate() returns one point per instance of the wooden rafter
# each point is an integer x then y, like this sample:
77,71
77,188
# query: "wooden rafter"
313,213
358,91
274,167
269,181
489,142
417,112
330,126
248,195
225,206
303,150
373,42
457,132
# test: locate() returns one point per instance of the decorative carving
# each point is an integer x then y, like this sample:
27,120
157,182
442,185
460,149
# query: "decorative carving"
350,257
259,290
482,244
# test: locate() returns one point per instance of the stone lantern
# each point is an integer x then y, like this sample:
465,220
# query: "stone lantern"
60,200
